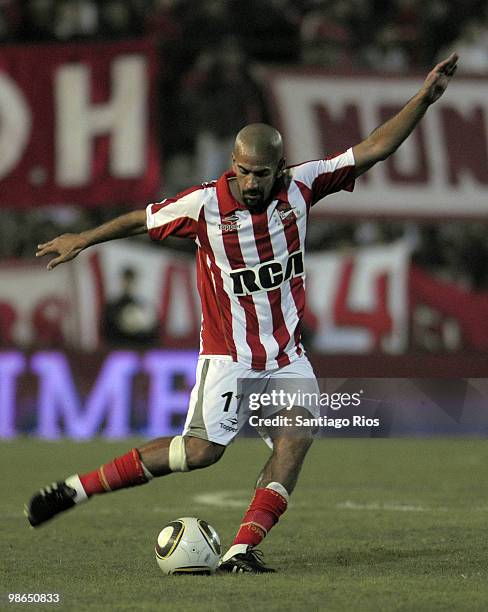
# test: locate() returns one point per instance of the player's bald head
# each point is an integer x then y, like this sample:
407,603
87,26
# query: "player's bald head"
257,161
259,141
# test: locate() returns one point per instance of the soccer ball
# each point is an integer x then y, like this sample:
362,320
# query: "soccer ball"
188,545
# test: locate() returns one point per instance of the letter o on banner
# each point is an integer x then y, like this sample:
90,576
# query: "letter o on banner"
15,125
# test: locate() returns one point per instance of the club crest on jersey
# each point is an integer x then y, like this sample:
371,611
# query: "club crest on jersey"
286,213
267,276
230,224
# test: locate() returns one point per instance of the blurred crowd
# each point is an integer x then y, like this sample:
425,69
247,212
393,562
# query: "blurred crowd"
211,49
388,34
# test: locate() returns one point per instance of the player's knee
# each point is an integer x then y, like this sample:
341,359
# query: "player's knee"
304,442
307,442
294,445
307,439
202,453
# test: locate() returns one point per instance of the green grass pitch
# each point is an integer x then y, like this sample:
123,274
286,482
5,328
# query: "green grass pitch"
391,524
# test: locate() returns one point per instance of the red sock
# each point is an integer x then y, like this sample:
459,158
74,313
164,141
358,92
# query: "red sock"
266,508
122,472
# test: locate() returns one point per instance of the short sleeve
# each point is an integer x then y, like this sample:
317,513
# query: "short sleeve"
325,176
175,216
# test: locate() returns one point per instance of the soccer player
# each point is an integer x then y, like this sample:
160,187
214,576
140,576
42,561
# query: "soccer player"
249,227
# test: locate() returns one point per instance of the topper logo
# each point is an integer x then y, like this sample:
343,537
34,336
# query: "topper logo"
266,276
230,224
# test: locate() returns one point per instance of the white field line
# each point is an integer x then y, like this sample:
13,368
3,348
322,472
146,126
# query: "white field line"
240,498
395,507
224,499
181,510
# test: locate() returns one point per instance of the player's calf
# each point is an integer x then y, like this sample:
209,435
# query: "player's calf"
179,454
202,453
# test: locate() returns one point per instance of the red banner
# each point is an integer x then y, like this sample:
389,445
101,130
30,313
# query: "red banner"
444,304
77,124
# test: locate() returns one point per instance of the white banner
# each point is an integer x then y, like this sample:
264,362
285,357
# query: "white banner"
442,168
37,307
357,301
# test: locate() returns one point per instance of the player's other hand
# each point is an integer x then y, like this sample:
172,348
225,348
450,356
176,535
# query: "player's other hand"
438,78
66,247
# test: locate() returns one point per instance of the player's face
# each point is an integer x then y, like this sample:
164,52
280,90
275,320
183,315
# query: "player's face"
255,178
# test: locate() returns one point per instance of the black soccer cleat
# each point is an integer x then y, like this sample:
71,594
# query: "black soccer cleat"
249,562
48,502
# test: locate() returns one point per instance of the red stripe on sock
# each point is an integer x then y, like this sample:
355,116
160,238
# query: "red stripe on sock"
122,472
264,511
113,478
91,483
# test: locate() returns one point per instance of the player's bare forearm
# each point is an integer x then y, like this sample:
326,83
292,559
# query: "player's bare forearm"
68,246
130,224
386,139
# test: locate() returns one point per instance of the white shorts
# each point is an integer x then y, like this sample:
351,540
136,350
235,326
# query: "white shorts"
219,402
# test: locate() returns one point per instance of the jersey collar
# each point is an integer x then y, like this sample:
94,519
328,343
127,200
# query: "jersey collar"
228,204
280,192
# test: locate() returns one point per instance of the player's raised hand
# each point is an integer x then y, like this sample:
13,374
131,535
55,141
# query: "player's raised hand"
438,79
66,247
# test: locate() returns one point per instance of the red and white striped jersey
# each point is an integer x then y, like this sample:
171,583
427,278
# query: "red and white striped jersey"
250,267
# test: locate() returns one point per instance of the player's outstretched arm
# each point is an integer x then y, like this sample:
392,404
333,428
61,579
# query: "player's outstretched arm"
67,246
385,139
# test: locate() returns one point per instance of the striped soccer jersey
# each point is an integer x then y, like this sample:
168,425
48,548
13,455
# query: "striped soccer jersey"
250,267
